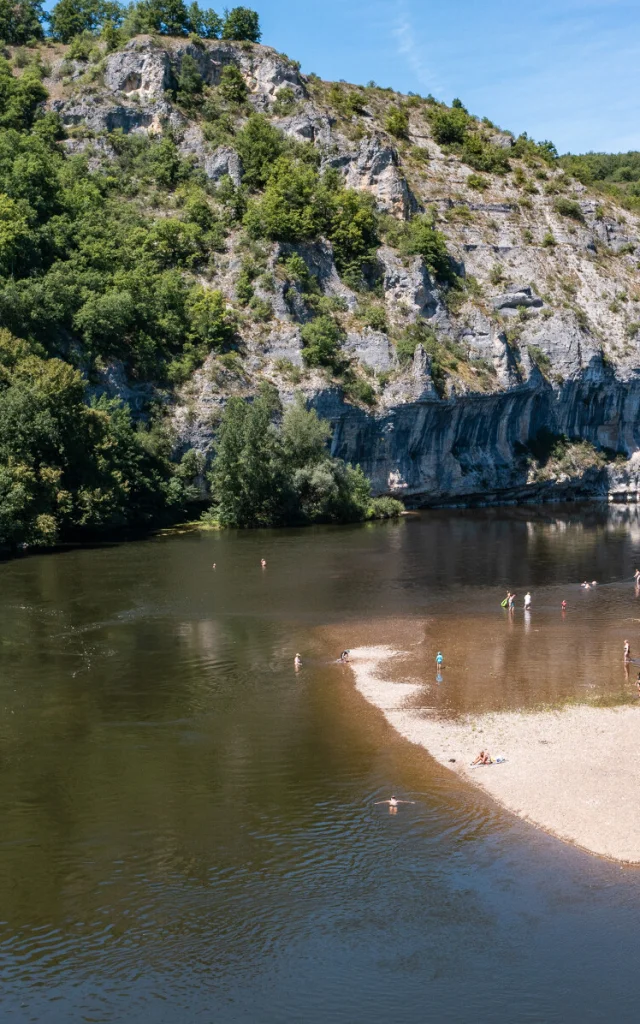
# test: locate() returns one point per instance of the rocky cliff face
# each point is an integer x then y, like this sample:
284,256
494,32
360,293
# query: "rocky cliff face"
542,338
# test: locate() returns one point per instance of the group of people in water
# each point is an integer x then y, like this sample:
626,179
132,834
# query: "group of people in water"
510,601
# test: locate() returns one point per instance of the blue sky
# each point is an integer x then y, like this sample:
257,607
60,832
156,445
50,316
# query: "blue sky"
568,70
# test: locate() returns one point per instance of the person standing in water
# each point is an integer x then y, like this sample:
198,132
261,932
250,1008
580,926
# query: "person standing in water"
439,660
297,662
527,601
627,651
344,657
564,606
263,563
512,602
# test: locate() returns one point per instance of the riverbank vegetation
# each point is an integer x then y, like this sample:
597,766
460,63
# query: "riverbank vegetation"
274,469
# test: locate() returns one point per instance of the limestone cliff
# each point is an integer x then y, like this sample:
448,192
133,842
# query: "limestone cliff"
541,337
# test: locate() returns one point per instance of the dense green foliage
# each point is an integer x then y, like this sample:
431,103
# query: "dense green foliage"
241,23
617,174
169,17
21,21
66,466
265,475
300,204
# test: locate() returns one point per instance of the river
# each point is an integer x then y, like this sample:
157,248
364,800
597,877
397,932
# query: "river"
188,825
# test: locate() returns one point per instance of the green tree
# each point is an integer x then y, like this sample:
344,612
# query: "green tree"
21,21
205,23
232,85
21,97
190,82
295,204
242,23
448,127
425,240
169,17
397,122
322,339
259,145
71,17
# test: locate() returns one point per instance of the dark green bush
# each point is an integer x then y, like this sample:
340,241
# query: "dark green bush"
322,340
232,85
568,208
397,122
448,127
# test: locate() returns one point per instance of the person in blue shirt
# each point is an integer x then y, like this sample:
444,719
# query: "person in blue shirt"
439,660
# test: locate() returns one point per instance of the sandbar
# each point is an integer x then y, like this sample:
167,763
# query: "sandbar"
574,771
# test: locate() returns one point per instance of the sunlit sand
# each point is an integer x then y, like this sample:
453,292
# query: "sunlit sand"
574,772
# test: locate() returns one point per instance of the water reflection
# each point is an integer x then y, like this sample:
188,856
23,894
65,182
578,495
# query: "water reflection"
188,825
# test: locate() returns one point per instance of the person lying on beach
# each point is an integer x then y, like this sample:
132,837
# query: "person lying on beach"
484,757
393,804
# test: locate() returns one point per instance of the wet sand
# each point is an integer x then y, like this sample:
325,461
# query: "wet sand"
573,772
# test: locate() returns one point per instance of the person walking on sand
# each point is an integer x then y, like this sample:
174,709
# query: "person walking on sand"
627,651
527,601
394,804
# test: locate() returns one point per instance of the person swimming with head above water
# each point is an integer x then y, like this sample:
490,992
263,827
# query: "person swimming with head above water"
394,804
344,657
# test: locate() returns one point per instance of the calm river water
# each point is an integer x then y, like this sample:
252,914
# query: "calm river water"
188,827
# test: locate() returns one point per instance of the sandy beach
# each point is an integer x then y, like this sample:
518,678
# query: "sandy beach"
574,772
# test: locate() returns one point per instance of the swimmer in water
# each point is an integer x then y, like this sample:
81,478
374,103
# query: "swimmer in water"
594,583
585,585
213,566
297,662
344,657
394,804
263,563
627,651
527,601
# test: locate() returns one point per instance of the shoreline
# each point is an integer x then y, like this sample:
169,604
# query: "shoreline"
572,772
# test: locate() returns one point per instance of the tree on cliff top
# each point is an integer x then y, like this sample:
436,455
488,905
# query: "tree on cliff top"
242,23
21,22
